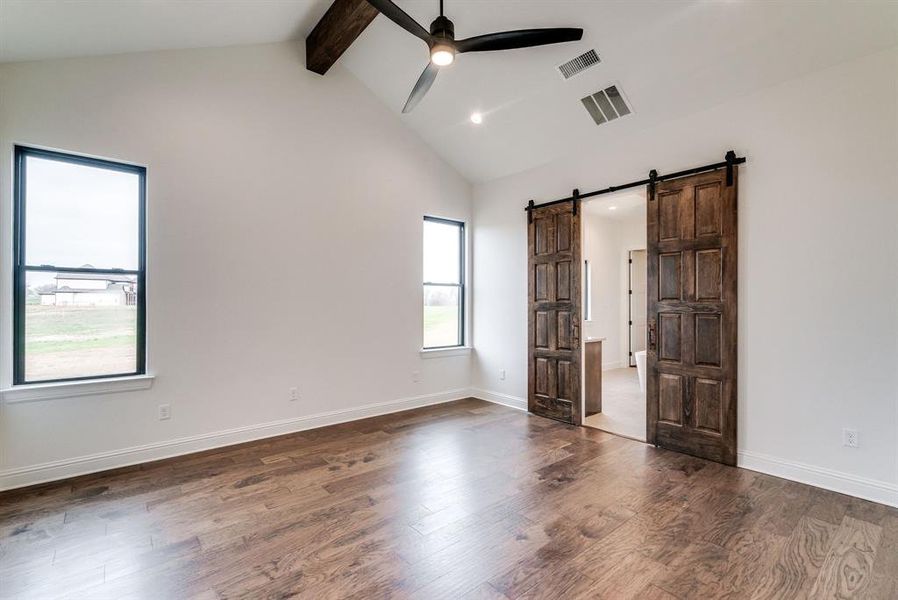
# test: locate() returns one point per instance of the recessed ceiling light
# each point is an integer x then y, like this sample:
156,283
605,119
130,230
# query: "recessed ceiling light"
612,208
476,118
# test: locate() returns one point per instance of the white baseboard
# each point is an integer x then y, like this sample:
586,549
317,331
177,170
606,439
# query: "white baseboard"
836,481
614,364
499,398
83,465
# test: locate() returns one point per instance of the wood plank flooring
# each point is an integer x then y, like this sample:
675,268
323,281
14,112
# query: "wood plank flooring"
463,500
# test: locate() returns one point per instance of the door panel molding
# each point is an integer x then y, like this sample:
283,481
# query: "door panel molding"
554,299
692,279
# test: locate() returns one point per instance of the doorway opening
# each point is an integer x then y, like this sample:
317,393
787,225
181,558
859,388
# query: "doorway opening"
688,228
614,313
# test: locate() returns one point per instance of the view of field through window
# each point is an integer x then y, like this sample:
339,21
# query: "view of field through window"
440,316
80,320
65,340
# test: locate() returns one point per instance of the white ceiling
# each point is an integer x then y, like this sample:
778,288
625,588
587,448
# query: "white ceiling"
42,29
617,206
670,57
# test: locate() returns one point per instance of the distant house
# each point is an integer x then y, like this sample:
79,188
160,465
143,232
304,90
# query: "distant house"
91,289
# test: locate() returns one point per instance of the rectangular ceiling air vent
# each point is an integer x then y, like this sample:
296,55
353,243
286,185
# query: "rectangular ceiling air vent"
579,64
606,105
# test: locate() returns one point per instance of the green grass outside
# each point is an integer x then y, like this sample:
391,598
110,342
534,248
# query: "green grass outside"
70,328
32,347
440,326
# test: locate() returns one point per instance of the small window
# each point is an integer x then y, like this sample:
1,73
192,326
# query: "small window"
79,268
444,283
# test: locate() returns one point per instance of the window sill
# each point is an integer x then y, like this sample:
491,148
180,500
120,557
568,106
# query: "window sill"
445,352
34,392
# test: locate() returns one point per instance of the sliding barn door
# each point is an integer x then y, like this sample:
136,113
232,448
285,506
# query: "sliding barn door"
554,313
691,387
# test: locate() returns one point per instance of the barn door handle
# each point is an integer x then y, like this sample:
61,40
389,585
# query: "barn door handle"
576,333
687,406
653,336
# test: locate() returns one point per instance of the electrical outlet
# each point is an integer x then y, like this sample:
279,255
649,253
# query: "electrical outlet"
850,438
164,412
502,375
294,394
416,376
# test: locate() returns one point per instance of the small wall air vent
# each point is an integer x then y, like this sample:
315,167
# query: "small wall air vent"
606,105
579,64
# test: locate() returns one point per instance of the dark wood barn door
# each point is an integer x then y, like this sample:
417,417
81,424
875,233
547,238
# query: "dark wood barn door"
554,313
691,366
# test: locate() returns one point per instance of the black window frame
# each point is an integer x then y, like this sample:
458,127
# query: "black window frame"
21,268
460,285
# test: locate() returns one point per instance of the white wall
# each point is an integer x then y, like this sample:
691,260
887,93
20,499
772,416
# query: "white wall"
632,231
261,175
818,265
607,242
600,247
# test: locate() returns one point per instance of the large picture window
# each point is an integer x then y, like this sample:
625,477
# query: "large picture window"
79,279
444,283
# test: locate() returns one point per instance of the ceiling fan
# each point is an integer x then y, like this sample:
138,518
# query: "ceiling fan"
443,45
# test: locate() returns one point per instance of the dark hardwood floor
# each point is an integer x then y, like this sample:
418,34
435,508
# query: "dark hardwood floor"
461,500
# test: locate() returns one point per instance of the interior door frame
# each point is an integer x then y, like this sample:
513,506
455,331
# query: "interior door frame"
631,356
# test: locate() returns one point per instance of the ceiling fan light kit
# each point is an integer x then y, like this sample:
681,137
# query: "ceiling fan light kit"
442,55
443,45
442,33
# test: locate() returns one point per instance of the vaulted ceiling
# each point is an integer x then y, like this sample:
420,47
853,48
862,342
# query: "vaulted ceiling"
671,58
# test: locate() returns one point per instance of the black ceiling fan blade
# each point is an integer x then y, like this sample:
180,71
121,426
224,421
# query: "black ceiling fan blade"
522,38
421,86
399,16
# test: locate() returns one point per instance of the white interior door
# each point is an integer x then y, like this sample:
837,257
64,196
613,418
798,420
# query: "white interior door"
638,309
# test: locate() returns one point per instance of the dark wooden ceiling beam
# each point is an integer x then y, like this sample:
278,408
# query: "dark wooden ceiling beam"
343,22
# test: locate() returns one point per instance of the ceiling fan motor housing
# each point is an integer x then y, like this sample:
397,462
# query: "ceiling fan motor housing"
443,28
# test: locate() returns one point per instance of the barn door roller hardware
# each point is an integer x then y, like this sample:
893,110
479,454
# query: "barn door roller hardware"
653,178
730,160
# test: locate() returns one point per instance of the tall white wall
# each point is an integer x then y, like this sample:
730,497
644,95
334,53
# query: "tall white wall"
818,265
632,231
607,242
284,222
601,248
